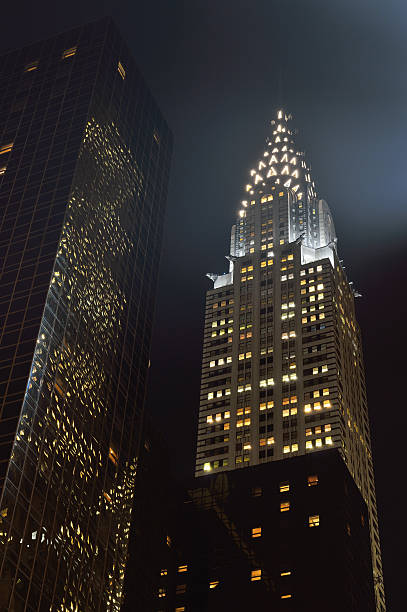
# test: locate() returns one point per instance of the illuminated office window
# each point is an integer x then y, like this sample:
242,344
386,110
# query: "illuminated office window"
121,70
255,575
69,52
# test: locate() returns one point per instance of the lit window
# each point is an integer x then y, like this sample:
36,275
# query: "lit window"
287,573
286,596
6,148
312,480
255,575
308,444
182,568
284,506
328,440
313,521
121,70
294,448
163,572
286,449
69,52
213,584
161,592
31,66
168,541
180,589
284,486
113,456
256,532
3,170
207,467
181,609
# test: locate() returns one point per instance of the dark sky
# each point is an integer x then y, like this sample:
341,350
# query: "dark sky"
213,66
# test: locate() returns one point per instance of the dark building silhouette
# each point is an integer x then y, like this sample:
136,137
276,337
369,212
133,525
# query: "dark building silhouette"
84,163
291,535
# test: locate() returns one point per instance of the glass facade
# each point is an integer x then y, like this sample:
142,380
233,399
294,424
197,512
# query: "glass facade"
83,187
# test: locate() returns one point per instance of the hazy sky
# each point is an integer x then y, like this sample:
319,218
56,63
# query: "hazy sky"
213,66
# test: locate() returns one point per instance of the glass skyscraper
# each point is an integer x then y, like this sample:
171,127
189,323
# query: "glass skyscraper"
84,163
282,370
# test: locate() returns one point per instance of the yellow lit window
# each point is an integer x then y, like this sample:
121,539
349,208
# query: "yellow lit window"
312,480
318,442
284,486
6,148
121,70
113,456
181,609
3,170
324,392
307,408
255,575
213,584
161,592
287,573
207,467
328,440
69,52
308,444
163,572
182,568
31,66
288,596
256,532
168,541
294,448
263,264
286,449
284,506
313,521
291,256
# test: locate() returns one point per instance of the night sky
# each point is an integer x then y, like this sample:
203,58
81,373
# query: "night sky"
214,68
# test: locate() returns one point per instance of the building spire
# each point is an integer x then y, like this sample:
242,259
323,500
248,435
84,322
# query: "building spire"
283,167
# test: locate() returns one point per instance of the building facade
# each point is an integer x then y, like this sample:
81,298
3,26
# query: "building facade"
282,370
284,536
84,163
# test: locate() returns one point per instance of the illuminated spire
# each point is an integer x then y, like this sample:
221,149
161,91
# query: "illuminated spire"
284,165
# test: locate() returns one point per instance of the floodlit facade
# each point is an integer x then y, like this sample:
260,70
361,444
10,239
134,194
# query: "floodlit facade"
282,371
84,163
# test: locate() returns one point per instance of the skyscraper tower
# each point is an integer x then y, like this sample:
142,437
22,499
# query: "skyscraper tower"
282,371
84,163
